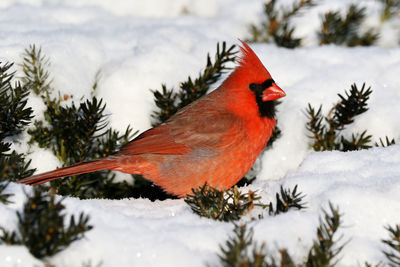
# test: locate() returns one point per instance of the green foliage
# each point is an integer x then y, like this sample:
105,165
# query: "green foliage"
393,243
75,133
345,31
237,249
14,167
385,143
4,197
221,205
14,117
169,102
241,251
326,130
35,71
41,226
276,27
286,200
391,8
324,251
232,204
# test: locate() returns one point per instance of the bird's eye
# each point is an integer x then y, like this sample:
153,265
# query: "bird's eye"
253,86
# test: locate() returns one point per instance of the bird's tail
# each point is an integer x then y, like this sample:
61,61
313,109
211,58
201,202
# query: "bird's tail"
79,168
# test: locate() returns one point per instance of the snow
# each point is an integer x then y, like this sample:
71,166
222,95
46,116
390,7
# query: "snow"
137,46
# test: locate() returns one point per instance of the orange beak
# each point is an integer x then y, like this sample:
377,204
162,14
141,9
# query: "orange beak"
272,93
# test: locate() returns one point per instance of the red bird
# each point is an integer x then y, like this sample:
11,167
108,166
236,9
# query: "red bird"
215,139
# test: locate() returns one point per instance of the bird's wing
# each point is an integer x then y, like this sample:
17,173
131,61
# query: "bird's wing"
209,129
157,141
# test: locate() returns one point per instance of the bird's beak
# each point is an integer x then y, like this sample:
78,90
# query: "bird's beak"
272,93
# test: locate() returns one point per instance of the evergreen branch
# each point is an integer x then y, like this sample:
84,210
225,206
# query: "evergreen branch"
221,205
285,37
237,249
9,238
276,26
166,101
357,142
391,8
344,31
41,226
385,143
96,82
241,251
315,126
190,90
13,167
327,136
36,75
367,264
75,133
231,205
4,197
351,105
84,122
14,115
393,243
287,200
324,250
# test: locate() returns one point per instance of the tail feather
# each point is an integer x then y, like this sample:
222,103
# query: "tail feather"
79,168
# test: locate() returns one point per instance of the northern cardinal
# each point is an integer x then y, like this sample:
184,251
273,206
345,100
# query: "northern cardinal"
215,139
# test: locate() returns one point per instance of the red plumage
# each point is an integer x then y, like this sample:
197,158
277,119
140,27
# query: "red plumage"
216,139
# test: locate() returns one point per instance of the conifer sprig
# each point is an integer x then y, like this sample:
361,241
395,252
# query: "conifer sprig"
352,104
14,117
241,250
276,27
236,251
345,31
169,102
41,226
391,8
385,143
393,243
35,68
221,205
326,130
287,199
324,251
74,133
232,204
14,114
3,196
78,134
14,166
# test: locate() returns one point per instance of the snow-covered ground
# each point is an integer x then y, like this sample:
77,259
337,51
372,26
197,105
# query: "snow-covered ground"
137,45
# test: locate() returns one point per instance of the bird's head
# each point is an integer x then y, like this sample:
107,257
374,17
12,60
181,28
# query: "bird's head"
252,78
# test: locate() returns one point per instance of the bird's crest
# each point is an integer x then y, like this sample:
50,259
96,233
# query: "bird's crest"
250,66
